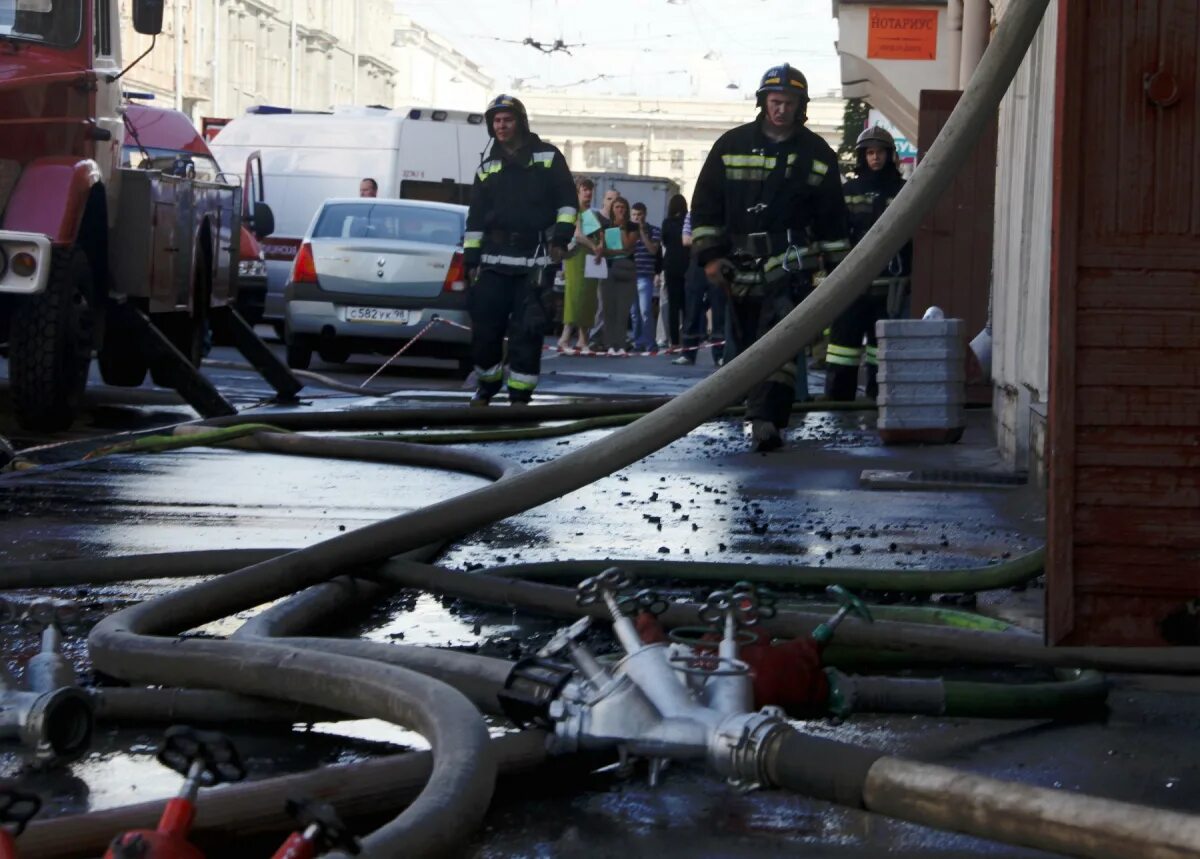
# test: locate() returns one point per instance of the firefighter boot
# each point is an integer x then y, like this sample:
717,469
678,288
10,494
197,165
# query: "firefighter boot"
841,383
765,436
485,391
872,385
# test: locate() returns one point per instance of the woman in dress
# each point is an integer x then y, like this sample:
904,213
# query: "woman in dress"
580,293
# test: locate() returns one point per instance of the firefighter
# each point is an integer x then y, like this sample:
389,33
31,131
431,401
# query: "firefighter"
767,213
876,185
521,219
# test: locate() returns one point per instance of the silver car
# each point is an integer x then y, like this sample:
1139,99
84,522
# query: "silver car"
373,274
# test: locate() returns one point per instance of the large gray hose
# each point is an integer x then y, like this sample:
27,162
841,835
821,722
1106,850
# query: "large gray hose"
944,798
460,786
129,645
200,707
363,788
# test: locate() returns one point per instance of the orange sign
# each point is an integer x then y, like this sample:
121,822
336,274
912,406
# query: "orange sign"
902,34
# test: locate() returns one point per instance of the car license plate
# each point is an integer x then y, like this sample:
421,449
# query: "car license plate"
377,314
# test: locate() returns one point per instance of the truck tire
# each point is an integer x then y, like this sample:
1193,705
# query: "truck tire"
121,359
188,332
50,345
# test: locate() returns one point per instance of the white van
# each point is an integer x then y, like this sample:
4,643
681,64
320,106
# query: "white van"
413,153
654,191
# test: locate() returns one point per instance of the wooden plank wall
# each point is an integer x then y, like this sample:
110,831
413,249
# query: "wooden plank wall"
1124,517
952,249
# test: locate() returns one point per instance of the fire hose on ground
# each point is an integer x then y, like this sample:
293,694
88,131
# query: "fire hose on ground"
142,644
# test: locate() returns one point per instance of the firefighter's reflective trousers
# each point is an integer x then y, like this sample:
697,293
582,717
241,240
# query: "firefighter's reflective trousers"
507,302
754,314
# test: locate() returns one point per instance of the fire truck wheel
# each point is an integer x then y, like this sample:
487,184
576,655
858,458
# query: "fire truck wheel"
299,351
50,345
188,332
120,358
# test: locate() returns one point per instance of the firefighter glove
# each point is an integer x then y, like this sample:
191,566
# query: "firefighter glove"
719,272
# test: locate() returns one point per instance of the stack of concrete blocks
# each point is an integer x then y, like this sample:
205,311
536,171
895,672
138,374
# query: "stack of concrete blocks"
922,380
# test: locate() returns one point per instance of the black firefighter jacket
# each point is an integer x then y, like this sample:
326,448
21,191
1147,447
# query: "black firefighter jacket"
521,203
791,191
867,196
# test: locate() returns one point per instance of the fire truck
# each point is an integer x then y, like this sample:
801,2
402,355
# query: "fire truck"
135,265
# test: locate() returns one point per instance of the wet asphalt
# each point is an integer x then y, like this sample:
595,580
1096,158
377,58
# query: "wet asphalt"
704,497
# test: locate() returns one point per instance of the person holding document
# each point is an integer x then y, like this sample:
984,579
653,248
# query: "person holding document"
619,290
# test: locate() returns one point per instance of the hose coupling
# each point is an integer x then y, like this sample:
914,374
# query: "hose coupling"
737,748
530,689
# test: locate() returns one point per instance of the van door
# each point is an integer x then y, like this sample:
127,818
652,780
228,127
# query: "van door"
427,161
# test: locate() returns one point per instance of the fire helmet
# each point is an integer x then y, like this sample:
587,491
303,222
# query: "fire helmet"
782,78
876,135
509,103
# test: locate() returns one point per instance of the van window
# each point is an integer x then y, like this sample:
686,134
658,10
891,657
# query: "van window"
52,22
170,161
102,38
389,221
435,192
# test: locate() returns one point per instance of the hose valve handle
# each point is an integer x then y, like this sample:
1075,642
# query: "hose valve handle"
568,639
645,600
763,598
849,604
744,605
604,588
321,827
564,638
204,758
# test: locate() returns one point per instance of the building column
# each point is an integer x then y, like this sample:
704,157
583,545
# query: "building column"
976,27
954,25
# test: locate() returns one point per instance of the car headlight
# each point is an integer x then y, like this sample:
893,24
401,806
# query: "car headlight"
252,268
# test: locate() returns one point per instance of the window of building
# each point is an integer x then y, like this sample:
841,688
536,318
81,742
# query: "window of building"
612,157
676,159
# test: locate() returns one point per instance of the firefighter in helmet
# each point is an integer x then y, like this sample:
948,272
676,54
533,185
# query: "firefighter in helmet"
875,186
520,221
767,213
